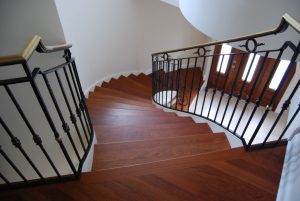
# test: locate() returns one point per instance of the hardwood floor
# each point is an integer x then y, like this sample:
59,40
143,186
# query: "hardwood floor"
231,175
144,153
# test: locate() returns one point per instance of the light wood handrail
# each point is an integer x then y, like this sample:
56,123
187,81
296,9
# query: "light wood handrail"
34,44
286,21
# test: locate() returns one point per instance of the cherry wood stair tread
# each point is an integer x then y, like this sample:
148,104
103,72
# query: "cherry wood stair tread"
129,83
119,94
107,134
135,83
123,86
128,113
144,80
182,163
117,99
113,120
191,178
118,105
114,155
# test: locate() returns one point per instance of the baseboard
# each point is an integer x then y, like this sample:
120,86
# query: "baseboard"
233,140
99,82
87,165
148,71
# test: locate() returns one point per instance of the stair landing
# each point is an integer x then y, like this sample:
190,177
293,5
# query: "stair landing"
230,175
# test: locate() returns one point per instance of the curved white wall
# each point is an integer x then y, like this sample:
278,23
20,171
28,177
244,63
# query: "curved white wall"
172,2
112,36
233,18
20,20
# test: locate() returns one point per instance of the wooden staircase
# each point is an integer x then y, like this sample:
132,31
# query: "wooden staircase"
131,136
144,153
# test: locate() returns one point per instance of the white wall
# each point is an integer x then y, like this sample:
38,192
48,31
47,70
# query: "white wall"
290,176
103,33
295,127
162,27
20,20
233,18
172,2
111,37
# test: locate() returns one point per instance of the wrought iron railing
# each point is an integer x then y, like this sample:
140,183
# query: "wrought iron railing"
46,132
238,84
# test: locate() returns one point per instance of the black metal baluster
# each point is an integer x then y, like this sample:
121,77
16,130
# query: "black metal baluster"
17,143
48,117
168,74
289,124
12,165
260,97
216,86
164,83
237,76
178,82
185,79
246,103
192,84
172,84
159,81
294,57
155,80
81,107
65,126
36,138
285,106
72,116
4,179
261,67
257,104
199,87
79,91
224,87
152,77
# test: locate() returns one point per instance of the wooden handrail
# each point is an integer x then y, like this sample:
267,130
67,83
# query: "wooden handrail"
286,21
34,44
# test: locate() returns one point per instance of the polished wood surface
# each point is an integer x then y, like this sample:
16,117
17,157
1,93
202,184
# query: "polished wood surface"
144,153
230,175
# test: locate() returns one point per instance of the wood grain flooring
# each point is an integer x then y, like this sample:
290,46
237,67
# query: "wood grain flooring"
228,175
144,153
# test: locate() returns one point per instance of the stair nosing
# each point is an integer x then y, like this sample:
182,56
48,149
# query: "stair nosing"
167,138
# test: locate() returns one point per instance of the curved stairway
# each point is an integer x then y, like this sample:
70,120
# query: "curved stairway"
144,153
131,130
